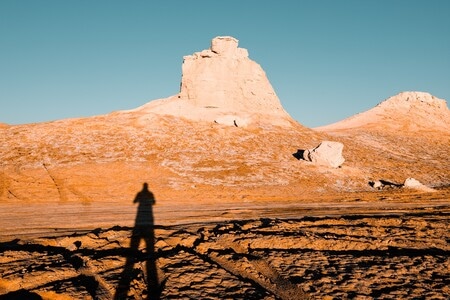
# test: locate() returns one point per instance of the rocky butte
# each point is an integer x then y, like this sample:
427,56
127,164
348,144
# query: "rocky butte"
223,85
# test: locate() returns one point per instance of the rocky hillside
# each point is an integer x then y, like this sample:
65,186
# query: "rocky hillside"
406,112
406,134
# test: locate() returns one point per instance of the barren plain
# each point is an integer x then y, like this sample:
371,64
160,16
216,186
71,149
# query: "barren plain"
392,245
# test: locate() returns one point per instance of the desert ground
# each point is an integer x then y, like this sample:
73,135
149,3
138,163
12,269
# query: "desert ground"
380,245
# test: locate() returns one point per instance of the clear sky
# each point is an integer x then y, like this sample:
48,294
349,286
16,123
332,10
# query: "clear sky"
327,60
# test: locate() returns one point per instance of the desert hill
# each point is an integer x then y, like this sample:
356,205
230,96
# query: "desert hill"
409,132
224,137
407,111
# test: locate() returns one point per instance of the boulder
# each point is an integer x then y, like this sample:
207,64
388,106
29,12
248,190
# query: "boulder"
376,184
415,184
410,183
384,184
326,153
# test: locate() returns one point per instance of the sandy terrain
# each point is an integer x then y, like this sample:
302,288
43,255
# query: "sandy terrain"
383,245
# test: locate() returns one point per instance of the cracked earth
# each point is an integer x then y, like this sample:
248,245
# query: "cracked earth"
402,255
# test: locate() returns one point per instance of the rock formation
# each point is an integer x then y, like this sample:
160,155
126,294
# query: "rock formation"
224,86
326,154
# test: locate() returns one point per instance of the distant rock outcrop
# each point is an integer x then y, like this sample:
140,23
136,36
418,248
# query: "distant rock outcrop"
405,111
326,154
223,85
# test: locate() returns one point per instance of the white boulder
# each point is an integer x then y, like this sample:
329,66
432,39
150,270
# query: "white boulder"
415,184
326,153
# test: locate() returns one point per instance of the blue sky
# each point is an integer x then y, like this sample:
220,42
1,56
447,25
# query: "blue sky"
327,60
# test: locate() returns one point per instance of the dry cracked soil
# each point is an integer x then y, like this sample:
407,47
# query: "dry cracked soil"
395,251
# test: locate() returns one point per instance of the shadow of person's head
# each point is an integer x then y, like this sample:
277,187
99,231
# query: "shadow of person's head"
145,196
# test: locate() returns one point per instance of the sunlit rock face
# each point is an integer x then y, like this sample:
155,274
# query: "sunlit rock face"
223,85
225,77
404,112
408,100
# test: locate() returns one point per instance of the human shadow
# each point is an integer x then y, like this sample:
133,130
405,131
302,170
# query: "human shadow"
143,230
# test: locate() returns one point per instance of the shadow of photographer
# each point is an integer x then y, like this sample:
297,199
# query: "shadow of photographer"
143,230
